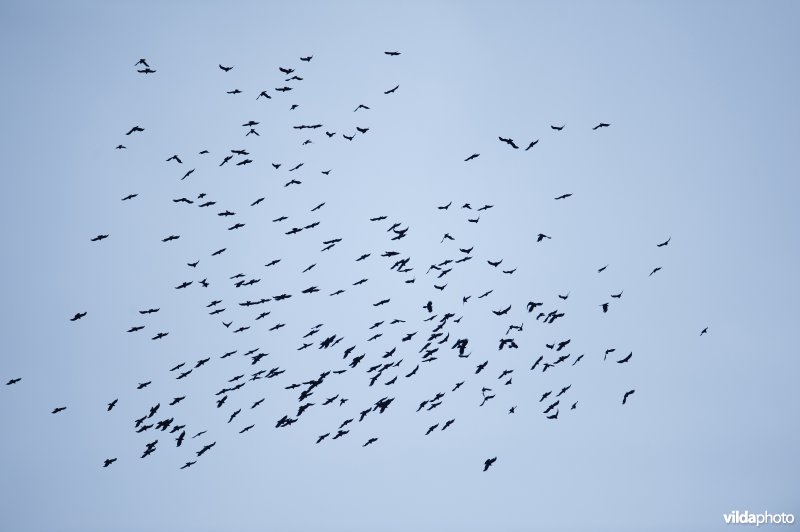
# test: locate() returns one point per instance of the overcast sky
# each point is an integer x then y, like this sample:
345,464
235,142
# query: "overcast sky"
702,104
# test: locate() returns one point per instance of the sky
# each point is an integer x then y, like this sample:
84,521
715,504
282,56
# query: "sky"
701,150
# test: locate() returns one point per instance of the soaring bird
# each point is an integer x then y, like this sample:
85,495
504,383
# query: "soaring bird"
392,53
601,124
510,142
627,394
108,461
557,128
77,316
134,129
664,243
488,463
390,91
226,69
704,331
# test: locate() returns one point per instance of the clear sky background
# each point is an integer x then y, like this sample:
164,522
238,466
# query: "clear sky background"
702,147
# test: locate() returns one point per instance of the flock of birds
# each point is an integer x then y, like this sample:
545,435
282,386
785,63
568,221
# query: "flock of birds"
433,334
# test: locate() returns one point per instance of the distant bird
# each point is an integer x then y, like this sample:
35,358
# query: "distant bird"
601,124
111,405
654,270
563,196
664,243
604,307
704,331
58,409
226,69
108,461
361,106
306,59
13,381
77,316
624,360
135,129
532,144
392,53
541,236
473,156
99,237
129,197
557,128
627,394
390,91
488,463
510,142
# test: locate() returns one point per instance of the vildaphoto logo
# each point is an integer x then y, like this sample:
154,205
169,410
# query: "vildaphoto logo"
746,518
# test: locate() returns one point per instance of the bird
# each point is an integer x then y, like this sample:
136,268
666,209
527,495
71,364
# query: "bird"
488,463
664,243
77,316
226,69
391,91
601,124
99,237
111,405
532,144
704,331
627,394
563,196
557,128
306,59
392,53
473,156
13,381
510,142
58,409
654,271
108,461
135,129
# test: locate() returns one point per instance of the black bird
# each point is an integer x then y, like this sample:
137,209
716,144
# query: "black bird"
108,461
99,237
563,196
604,307
664,243
488,463
111,405
129,197
306,59
532,144
58,409
226,69
13,381
557,128
77,316
624,360
510,142
370,441
601,124
627,394
655,270
501,312
616,296
704,331
392,53
135,129
473,156
390,91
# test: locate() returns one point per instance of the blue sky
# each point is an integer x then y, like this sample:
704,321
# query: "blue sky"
701,98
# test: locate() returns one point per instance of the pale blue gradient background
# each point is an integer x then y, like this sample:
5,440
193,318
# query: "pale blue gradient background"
702,98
